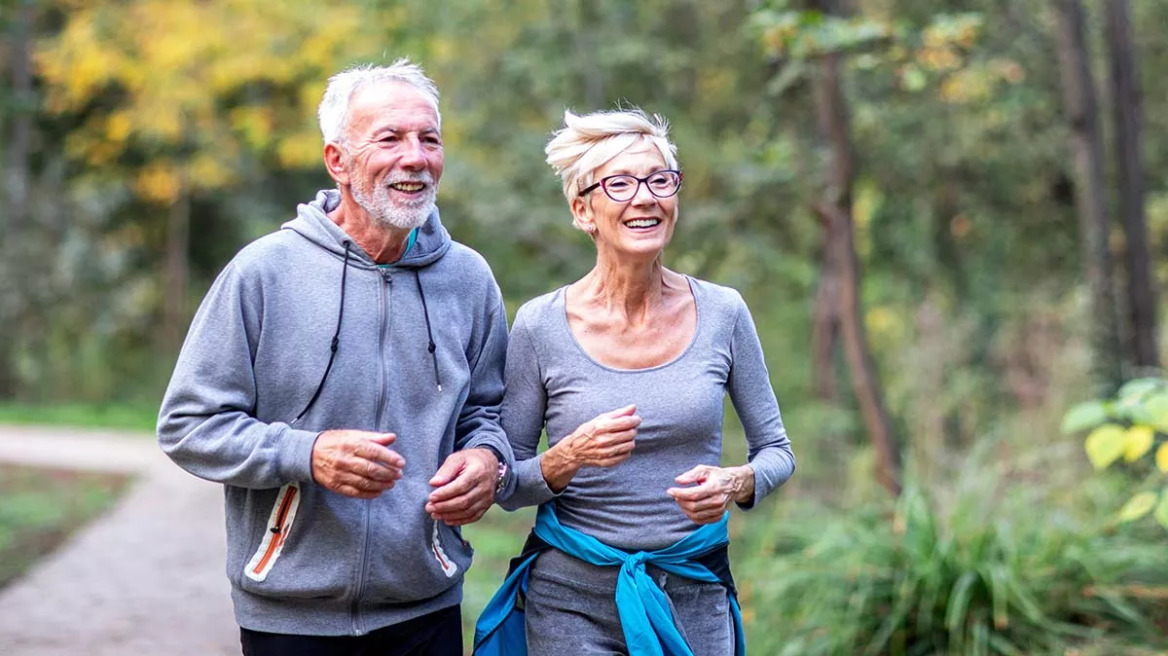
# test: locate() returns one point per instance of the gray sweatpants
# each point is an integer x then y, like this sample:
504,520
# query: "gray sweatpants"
571,609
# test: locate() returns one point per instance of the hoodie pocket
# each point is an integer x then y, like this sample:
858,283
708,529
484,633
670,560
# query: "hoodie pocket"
405,570
300,544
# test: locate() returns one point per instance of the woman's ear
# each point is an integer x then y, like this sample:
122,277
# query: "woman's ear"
334,162
582,214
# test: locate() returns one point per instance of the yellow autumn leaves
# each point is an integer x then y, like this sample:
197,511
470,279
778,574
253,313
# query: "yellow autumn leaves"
1107,443
1129,427
191,90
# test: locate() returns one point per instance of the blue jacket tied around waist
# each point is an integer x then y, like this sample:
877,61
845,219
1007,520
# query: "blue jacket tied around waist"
646,619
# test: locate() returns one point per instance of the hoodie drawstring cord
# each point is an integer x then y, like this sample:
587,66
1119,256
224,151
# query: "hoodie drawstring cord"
336,338
429,333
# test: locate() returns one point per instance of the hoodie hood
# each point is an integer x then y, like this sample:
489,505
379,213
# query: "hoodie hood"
313,224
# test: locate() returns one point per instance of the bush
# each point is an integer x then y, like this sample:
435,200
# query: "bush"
1009,577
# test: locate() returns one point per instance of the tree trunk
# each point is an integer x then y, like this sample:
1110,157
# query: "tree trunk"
1141,296
1087,148
17,178
585,43
836,211
825,320
17,182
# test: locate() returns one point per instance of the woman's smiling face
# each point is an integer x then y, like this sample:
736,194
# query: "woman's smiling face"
642,225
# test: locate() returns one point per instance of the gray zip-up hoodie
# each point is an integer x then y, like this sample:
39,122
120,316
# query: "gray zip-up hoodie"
420,353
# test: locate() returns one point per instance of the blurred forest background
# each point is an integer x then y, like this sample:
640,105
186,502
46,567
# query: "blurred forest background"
949,219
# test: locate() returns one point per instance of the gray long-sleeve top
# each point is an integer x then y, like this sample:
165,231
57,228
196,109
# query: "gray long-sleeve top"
552,381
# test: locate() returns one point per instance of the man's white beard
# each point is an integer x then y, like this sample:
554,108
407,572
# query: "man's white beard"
406,215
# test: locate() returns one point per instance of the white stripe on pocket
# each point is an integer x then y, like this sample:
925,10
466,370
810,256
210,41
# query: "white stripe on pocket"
279,524
449,568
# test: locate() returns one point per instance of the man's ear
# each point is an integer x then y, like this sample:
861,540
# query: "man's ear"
334,161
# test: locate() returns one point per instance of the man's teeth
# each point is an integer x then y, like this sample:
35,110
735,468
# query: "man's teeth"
408,186
642,223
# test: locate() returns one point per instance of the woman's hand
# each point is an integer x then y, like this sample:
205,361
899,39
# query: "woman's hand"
604,441
716,489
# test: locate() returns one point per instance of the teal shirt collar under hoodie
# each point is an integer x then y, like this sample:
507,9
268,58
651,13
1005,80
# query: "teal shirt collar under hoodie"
430,241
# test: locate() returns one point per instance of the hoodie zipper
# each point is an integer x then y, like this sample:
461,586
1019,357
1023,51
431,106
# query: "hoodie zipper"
387,289
385,300
358,629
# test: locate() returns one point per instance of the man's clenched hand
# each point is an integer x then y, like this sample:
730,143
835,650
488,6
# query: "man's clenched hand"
356,463
464,487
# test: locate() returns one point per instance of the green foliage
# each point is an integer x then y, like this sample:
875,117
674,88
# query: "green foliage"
40,508
981,574
138,418
1130,426
961,197
803,34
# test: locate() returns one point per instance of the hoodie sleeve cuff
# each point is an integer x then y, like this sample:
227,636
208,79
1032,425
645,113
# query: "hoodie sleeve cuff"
530,488
296,458
503,453
501,447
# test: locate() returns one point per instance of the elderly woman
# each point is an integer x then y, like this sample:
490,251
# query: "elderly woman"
627,369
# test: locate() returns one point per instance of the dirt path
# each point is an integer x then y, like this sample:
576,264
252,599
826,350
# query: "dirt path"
145,579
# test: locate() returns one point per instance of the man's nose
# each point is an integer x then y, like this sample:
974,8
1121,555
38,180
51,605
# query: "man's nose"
413,156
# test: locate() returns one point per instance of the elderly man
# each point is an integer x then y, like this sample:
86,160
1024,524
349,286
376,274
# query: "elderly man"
342,380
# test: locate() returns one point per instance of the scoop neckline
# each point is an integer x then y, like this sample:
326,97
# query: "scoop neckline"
563,313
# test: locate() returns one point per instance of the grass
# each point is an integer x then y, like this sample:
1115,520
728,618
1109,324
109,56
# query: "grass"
135,417
40,508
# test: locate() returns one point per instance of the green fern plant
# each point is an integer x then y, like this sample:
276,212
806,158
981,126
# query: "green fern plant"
991,568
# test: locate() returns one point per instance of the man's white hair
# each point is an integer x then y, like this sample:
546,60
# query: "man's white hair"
587,142
333,112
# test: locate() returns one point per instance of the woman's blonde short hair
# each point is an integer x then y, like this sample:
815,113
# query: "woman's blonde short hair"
587,142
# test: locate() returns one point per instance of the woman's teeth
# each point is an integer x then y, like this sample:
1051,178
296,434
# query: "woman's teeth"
642,223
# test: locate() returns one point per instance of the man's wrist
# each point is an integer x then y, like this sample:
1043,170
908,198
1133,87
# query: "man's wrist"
501,468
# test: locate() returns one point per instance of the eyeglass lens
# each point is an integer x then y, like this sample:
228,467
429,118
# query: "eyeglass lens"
661,184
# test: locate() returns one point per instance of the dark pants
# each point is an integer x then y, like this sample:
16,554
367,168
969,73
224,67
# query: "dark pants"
436,634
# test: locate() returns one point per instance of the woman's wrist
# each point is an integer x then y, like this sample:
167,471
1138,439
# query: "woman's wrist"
558,466
744,488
